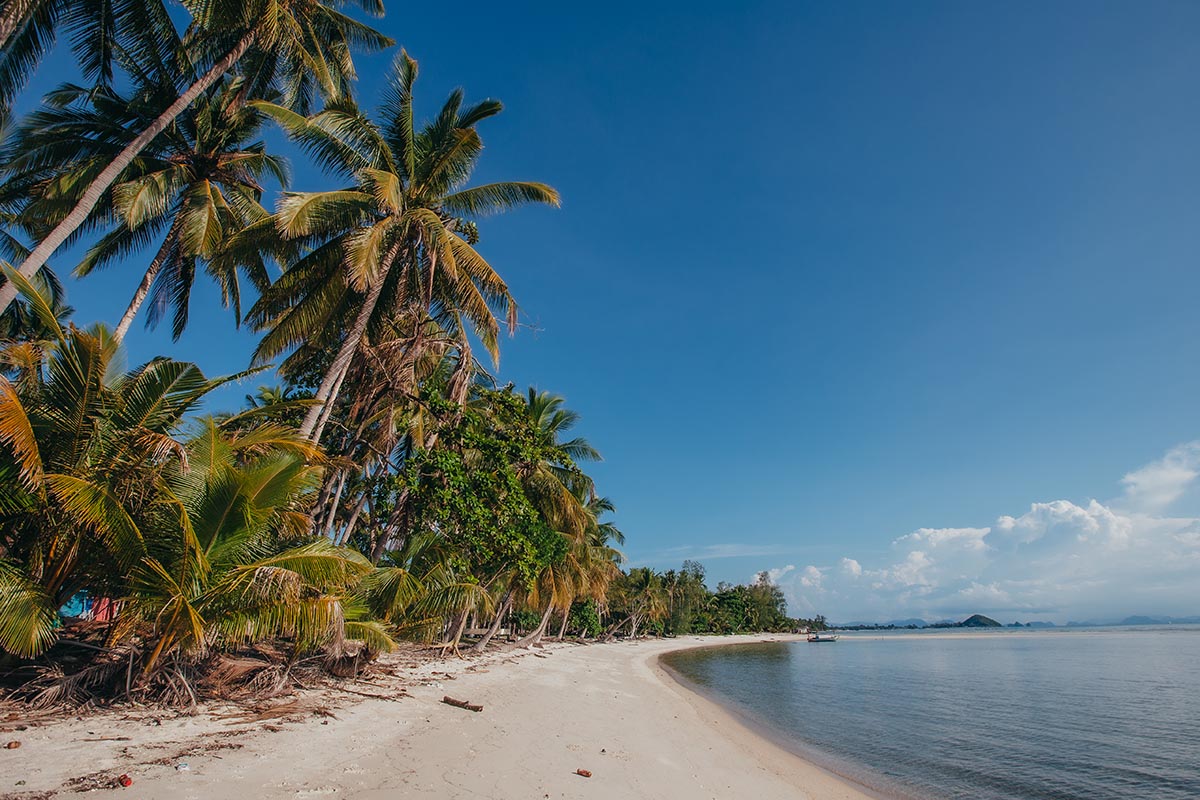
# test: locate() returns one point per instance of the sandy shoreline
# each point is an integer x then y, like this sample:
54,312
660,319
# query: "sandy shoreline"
610,709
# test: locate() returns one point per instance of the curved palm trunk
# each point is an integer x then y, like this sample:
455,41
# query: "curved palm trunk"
344,536
143,288
108,176
562,630
458,633
505,607
611,633
536,636
460,387
333,508
331,383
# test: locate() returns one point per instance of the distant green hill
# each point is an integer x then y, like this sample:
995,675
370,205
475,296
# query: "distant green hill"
979,621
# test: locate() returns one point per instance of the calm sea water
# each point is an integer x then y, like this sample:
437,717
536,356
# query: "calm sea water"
1075,715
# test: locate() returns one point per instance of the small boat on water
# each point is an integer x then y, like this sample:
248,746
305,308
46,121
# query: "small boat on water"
822,637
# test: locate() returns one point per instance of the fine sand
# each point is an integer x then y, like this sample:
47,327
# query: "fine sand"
608,709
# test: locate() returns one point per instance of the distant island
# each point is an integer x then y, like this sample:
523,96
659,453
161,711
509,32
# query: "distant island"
980,621
973,621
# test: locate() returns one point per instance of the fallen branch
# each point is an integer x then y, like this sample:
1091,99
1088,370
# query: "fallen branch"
402,694
450,701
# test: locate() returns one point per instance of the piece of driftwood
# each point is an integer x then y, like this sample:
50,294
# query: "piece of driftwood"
450,701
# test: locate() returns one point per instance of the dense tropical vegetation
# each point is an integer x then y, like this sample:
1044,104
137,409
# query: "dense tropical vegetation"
387,489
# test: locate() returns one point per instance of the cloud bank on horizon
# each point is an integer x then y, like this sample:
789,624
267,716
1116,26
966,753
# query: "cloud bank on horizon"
1057,561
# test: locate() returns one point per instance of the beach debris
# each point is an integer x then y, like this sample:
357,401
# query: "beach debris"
125,781
450,701
13,745
182,766
583,773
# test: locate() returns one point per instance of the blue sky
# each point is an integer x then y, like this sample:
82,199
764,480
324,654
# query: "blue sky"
827,274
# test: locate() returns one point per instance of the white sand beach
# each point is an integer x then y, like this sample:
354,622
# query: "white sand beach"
608,709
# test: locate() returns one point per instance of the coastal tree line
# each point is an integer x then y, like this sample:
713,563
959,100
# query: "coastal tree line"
386,488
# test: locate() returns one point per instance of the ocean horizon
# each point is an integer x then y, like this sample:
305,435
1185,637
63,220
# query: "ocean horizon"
1094,713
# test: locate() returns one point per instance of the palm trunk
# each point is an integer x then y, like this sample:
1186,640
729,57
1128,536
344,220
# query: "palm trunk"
389,528
331,383
460,386
612,631
328,410
337,500
349,529
458,632
505,606
108,176
536,636
143,288
562,630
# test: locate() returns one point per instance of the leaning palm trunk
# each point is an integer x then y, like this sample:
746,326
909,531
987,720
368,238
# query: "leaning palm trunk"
536,636
494,628
562,630
459,386
611,633
331,383
459,628
344,536
108,176
152,271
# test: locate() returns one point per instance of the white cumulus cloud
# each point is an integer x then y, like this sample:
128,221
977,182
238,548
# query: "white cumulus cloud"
1058,560
1160,483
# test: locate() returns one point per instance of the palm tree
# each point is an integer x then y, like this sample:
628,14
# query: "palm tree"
298,44
18,322
395,242
557,487
82,456
234,578
644,599
199,181
420,585
101,32
203,542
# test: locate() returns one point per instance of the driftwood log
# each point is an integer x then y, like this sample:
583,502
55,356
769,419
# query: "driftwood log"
450,701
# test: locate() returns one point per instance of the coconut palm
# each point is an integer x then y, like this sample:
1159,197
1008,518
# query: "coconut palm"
393,242
203,542
419,585
299,45
234,573
592,561
102,32
557,487
643,598
193,186
81,456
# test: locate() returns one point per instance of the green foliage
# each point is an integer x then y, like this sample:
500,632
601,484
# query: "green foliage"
199,538
470,487
690,607
436,501
585,618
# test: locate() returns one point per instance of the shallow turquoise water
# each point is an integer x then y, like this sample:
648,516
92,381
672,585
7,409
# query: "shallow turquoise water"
1077,715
